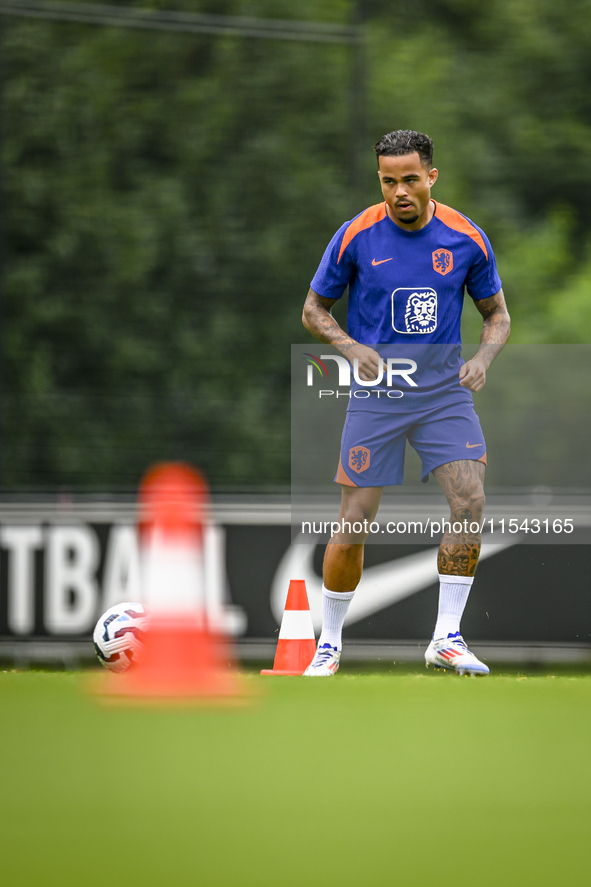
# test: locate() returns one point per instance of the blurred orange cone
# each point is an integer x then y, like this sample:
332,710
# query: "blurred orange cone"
183,656
296,645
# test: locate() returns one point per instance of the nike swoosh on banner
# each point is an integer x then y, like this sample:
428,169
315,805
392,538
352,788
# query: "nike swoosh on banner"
381,262
470,446
380,586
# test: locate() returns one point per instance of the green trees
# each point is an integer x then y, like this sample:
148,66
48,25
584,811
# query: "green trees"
501,88
168,198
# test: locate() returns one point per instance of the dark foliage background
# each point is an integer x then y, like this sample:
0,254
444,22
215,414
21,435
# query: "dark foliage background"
167,198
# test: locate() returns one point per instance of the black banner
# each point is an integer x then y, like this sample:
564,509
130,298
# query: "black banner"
61,568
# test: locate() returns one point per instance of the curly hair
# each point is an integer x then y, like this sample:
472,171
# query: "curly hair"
406,141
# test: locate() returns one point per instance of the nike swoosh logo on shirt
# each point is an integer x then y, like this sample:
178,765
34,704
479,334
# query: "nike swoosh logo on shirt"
469,445
381,262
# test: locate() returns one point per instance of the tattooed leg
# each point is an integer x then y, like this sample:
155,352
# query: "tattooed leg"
462,483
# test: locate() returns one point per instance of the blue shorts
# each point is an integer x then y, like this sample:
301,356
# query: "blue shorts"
373,443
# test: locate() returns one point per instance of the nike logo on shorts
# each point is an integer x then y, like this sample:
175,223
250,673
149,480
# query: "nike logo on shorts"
381,262
469,445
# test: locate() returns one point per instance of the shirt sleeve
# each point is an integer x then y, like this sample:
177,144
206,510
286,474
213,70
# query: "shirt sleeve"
483,279
335,271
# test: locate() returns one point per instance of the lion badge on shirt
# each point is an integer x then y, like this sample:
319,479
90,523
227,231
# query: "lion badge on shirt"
443,261
414,310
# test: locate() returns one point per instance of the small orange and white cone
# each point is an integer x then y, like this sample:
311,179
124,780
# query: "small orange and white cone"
296,645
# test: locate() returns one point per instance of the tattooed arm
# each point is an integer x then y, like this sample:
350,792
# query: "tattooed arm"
496,325
318,320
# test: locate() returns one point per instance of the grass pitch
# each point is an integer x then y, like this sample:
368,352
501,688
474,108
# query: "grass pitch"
363,779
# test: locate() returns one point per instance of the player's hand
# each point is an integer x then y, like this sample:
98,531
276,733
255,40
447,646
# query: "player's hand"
473,374
369,361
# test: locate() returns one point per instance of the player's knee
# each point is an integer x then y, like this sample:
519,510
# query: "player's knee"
476,502
354,527
471,502
477,496
351,534
359,510
360,504
477,505
356,515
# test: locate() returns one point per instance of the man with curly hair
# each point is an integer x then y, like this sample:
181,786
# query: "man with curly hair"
406,262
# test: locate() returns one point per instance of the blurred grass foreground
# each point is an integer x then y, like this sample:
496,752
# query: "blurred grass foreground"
372,778
168,196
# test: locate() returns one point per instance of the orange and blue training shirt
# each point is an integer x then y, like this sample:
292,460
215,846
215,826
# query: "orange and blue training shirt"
407,286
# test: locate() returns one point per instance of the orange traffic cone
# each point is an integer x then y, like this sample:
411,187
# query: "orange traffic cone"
183,657
296,645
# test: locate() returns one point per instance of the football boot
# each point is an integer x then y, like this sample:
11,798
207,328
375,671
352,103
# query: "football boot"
452,653
325,662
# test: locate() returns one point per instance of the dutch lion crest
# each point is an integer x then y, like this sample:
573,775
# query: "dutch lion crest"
443,261
359,458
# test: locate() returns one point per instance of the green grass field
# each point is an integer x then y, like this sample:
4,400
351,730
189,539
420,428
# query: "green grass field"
380,779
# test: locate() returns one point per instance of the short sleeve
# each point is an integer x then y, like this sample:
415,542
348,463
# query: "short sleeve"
335,271
483,280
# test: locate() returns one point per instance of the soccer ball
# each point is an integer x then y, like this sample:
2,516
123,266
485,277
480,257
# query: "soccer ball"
118,635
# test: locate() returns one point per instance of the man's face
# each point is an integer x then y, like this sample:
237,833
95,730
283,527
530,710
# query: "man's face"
406,186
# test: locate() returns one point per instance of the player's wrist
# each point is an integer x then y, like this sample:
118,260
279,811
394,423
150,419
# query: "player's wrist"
483,359
346,347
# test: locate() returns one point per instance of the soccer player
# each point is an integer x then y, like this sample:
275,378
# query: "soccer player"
406,262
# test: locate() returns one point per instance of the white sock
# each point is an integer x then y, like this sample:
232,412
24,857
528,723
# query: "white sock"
334,609
453,594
